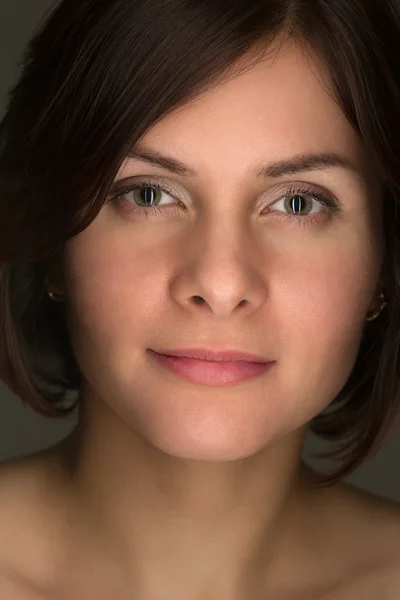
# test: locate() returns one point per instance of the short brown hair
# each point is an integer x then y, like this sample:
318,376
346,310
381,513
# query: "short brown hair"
95,76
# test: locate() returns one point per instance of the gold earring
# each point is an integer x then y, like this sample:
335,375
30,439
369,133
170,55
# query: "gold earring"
55,297
377,312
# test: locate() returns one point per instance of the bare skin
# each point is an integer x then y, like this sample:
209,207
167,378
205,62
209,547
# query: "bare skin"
352,544
178,490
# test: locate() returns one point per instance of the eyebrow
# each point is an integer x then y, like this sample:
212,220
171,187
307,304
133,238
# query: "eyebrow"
296,164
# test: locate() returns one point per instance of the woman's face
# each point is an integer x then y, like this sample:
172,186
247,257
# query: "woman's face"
294,290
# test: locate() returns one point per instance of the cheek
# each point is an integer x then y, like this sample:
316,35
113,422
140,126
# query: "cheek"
329,288
320,316
113,293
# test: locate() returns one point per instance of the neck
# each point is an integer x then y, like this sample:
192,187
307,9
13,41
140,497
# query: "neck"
222,529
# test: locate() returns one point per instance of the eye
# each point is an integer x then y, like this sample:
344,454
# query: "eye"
150,193
145,197
300,204
149,196
300,200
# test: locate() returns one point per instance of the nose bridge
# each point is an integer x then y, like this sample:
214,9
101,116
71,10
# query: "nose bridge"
223,236
220,262
223,251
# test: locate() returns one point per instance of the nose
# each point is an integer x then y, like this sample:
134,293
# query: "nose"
221,272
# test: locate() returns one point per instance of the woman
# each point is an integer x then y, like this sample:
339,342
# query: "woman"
178,175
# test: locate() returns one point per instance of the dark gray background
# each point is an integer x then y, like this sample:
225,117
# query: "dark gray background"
22,431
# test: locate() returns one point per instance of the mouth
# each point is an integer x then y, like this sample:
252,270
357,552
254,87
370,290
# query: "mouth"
210,372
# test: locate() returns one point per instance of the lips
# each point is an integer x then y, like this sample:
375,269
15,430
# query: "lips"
208,372
213,355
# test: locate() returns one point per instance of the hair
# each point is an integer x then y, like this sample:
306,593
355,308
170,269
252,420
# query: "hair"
94,77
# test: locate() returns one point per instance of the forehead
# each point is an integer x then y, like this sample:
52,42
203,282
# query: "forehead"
277,107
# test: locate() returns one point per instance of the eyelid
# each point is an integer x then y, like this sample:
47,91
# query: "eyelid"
164,182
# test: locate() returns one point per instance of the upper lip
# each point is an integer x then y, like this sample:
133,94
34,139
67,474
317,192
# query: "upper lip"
212,354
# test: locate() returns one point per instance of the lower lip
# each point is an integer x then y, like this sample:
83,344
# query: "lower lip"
211,373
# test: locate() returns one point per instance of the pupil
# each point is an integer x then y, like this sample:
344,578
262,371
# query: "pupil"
296,203
148,195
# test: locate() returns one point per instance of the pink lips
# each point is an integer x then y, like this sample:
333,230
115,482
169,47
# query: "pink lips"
212,372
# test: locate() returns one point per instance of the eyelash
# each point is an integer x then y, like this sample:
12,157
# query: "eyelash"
325,200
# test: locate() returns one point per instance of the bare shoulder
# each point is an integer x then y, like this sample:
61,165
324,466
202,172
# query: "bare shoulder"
27,507
365,530
371,515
